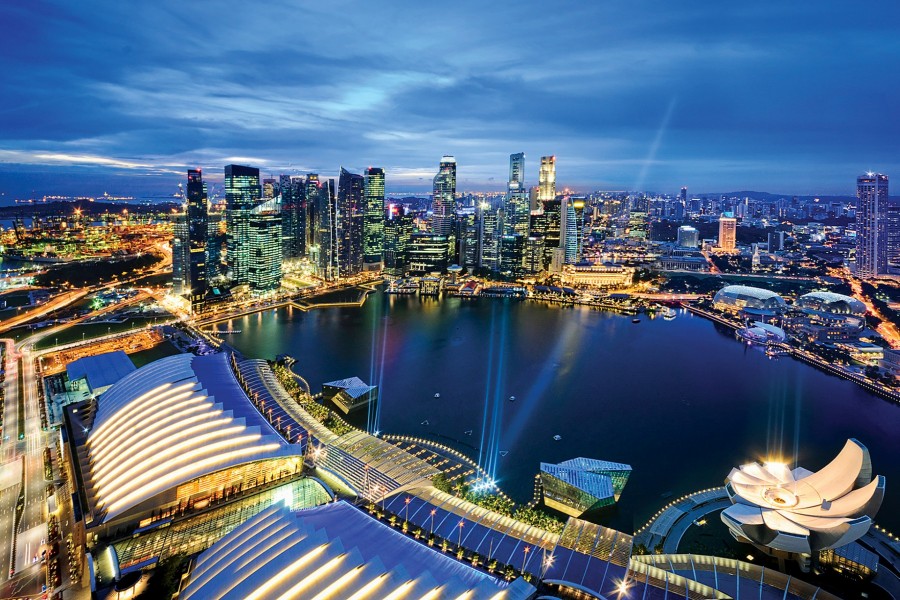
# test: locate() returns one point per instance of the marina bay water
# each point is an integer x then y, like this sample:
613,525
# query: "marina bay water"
680,400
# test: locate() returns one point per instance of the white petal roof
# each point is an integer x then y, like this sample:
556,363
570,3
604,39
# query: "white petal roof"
809,511
168,423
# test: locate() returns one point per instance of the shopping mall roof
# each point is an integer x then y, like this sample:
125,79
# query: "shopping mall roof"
334,551
168,423
100,370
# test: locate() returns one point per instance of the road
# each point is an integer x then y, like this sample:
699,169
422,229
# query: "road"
56,303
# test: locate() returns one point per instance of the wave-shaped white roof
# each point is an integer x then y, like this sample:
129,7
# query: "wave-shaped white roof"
799,511
747,291
168,423
827,298
334,551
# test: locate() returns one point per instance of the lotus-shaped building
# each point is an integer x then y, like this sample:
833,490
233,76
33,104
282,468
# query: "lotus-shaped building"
796,511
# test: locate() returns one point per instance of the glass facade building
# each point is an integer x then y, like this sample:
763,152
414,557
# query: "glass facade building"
198,231
373,240
517,211
547,179
428,253
398,228
444,198
242,194
351,216
871,225
264,269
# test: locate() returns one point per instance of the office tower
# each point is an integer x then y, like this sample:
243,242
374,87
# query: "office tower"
517,210
215,240
489,233
469,238
892,229
269,189
688,236
547,224
196,213
776,241
373,225
398,227
427,254
264,248
181,259
443,203
570,233
533,261
512,255
351,223
311,212
534,198
547,179
683,195
871,225
293,195
727,233
241,196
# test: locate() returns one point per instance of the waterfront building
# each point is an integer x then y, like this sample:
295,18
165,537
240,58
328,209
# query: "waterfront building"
512,256
579,485
324,252
169,438
688,237
603,277
793,513
871,225
242,194
571,228
215,241
428,253
827,317
335,551
443,203
351,216
547,223
264,248
373,226
311,217
547,179
516,207
198,232
489,222
181,245
752,301
533,262
398,227
727,234
349,394
469,238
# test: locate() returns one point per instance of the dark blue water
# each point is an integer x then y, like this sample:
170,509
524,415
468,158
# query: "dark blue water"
681,401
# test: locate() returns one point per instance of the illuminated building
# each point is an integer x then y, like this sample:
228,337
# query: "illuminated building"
311,215
215,240
324,250
512,256
198,231
795,512
398,228
547,223
749,300
571,228
293,216
827,317
241,196
871,225
170,437
516,208
596,276
351,216
579,485
180,254
373,228
688,237
533,262
443,203
469,237
547,179
727,233
335,551
350,394
428,253
264,248
489,233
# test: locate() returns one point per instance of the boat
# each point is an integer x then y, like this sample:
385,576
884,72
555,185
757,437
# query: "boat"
425,422
512,398
468,432
669,314
504,452
635,320
437,395
557,437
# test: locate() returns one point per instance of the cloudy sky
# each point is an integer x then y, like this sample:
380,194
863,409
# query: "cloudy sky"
784,96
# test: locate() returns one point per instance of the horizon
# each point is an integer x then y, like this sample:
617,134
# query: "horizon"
644,96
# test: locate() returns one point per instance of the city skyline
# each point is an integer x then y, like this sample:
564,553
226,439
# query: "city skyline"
640,98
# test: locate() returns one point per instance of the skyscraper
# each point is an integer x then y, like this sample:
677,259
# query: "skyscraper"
547,179
444,198
871,225
326,231
241,196
264,248
196,214
351,219
311,213
293,213
569,234
398,227
489,231
727,233
688,237
373,225
517,210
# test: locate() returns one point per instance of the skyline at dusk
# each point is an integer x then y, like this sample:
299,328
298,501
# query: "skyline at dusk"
643,96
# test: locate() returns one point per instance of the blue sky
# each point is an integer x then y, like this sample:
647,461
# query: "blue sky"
790,97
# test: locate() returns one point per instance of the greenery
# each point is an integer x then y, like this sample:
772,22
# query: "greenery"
87,274
317,411
505,506
164,579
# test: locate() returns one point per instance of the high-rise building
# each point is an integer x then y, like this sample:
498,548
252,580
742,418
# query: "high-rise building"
398,227
871,225
264,248
181,257
570,232
533,261
683,195
293,216
311,220
325,242
469,238
270,189
215,240
547,224
373,226
443,203
727,233
512,256
351,223
241,196
428,254
547,179
517,210
489,233
688,236
892,228
196,214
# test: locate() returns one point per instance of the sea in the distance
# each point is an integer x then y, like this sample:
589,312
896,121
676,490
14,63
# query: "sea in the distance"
680,400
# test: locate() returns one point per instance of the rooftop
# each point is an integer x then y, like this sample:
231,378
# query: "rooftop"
101,370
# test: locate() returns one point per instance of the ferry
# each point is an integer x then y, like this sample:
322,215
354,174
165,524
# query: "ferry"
437,395
669,314
512,398
557,437
635,320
